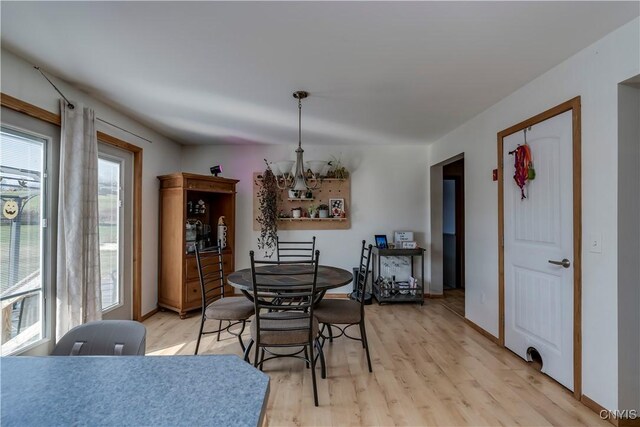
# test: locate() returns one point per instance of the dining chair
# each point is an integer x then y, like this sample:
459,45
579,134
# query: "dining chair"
333,312
278,323
103,338
215,305
295,251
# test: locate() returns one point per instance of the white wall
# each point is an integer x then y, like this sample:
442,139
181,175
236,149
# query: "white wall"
22,81
593,74
388,192
629,246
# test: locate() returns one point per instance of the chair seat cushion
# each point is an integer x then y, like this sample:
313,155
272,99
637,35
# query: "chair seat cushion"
337,311
283,337
232,308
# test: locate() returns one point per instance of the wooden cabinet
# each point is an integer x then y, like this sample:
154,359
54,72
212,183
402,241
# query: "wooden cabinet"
201,200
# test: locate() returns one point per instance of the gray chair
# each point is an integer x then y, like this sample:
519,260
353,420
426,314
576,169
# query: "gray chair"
215,304
284,294
295,251
334,312
104,338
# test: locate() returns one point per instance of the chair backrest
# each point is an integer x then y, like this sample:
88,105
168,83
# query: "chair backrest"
295,251
288,286
211,274
104,338
363,272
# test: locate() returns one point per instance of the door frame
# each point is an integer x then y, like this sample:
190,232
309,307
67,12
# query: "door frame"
15,104
572,105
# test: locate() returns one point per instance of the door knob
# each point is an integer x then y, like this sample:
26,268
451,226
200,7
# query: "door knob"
564,263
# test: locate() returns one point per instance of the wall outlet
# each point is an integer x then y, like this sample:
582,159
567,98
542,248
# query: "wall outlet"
595,243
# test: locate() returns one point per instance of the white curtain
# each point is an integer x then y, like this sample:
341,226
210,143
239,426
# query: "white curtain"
78,272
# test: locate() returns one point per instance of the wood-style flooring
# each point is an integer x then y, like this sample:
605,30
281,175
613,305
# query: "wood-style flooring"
454,299
429,368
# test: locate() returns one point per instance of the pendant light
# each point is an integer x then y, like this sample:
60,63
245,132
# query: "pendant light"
298,180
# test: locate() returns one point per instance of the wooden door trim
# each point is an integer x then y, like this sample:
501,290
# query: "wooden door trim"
574,106
47,116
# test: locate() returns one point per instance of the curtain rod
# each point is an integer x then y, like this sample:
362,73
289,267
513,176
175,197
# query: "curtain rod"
71,106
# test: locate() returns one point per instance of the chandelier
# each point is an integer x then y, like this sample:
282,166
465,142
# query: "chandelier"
298,177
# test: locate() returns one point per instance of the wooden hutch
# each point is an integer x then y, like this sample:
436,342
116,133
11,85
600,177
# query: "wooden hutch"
200,199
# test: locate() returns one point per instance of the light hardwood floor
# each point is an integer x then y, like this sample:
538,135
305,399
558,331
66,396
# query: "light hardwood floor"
429,368
454,299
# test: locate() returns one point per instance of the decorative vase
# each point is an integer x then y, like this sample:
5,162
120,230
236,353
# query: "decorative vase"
323,213
222,232
296,213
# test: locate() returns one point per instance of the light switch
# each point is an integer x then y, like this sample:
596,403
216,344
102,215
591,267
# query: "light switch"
595,243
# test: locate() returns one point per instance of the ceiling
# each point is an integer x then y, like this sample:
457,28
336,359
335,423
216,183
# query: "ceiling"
378,73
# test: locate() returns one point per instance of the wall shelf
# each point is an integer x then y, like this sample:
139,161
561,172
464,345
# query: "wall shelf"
312,219
331,188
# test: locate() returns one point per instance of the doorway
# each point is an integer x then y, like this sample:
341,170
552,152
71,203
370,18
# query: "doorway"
453,235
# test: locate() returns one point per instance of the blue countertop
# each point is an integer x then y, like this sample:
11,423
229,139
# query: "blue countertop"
220,390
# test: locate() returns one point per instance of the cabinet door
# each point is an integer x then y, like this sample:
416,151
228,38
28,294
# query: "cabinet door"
193,294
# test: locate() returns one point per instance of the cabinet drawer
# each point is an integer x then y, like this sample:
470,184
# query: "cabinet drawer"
221,187
193,292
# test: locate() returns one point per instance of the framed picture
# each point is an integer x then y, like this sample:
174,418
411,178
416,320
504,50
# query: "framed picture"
336,206
381,241
402,236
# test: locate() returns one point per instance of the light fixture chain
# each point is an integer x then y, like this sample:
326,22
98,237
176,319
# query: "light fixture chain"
299,122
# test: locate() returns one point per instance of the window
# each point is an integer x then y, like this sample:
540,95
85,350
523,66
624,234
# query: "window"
115,219
22,237
109,203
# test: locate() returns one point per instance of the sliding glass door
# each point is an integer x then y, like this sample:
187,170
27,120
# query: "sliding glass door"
115,183
23,231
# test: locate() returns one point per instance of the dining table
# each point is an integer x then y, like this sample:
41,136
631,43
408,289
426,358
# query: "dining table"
328,278
132,390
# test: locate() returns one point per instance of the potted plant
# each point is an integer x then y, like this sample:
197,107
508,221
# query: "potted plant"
268,196
296,212
312,211
337,169
323,211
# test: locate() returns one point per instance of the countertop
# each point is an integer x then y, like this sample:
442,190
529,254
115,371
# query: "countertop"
132,390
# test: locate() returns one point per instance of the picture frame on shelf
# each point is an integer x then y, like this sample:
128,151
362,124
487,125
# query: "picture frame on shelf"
402,236
409,245
336,207
381,241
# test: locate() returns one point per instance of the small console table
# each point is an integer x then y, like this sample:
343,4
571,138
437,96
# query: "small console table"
387,294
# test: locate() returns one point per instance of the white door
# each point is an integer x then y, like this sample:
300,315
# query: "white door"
539,229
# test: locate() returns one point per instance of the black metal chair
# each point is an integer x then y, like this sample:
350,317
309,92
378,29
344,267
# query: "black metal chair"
295,251
284,294
104,338
215,306
331,313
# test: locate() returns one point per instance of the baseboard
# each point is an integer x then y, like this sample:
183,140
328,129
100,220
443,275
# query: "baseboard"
488,335
336,296
149,314
434,296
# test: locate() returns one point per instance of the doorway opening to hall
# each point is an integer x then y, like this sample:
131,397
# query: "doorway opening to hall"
453,236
